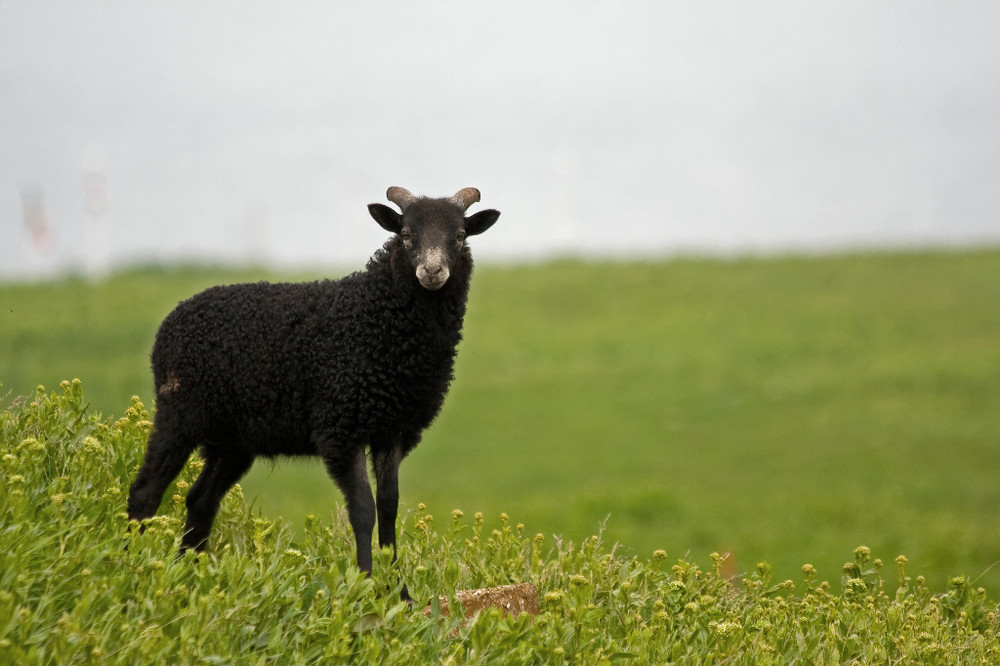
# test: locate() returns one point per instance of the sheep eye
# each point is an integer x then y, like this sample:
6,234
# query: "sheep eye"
460,235
405,234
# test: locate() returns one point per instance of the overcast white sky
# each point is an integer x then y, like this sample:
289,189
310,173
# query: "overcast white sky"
240,129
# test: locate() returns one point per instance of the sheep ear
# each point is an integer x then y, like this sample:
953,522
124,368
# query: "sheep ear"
386,217
481,221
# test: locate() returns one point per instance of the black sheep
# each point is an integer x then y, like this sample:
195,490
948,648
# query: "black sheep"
327,368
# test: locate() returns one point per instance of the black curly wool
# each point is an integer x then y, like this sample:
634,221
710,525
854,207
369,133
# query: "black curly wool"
311,368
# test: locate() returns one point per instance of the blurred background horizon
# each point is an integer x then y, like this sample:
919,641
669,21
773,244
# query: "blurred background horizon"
235,133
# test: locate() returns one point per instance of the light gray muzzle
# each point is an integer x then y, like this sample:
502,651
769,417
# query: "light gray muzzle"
432,271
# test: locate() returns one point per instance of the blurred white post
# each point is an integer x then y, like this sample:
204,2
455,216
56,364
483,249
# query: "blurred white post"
96,237
36,220
257,223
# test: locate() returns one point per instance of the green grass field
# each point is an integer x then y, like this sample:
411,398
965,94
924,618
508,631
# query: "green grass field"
71,592
784,409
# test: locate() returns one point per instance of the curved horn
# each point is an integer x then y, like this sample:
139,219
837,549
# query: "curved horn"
400,196
465,197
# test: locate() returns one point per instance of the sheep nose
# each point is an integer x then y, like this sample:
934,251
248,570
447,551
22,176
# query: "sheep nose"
432,276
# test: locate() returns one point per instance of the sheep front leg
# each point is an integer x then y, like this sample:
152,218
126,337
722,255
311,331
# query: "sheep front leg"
353,482
386,463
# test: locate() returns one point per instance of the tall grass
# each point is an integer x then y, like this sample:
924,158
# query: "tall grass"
72,593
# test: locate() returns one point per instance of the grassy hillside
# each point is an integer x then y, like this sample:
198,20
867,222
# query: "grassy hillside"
783,410
71,592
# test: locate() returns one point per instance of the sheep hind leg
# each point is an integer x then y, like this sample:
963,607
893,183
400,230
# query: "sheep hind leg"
352,479
165,456
386,463
221,472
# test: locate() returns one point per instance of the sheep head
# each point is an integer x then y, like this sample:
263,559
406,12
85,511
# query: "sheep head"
433,231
